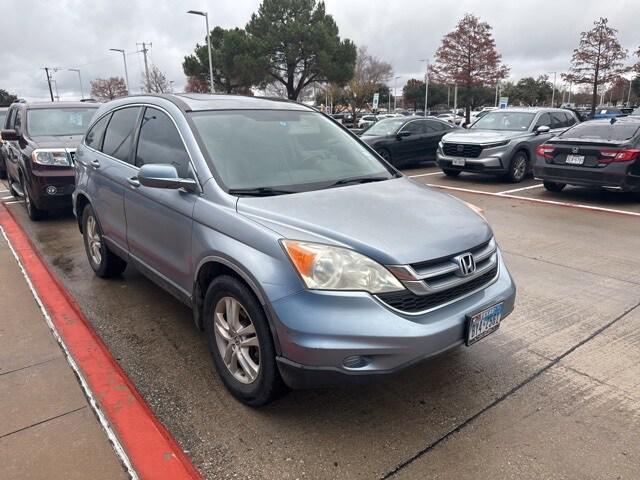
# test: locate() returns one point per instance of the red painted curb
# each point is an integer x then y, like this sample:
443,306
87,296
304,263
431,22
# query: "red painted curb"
152,451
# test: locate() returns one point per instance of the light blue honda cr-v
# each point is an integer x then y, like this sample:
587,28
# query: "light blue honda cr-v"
306,258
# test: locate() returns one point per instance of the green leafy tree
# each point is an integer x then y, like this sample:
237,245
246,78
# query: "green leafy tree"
299,44
532,91
413,93
236,67
6,98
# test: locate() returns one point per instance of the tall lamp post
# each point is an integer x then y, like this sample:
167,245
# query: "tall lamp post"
206,19
395,89
77,70
553,92
124,58
426,86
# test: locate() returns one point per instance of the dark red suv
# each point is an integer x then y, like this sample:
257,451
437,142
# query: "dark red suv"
39,144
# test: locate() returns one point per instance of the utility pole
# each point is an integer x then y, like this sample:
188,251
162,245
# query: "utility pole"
55,84
146,65
426,87
126,74
629,95
455,102
46,71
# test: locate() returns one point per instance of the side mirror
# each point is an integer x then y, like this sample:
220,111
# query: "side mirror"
9,134
543,129
160,175
405,133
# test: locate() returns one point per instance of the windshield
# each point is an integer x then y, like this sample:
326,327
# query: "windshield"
512,121
288,150
387,126
58,121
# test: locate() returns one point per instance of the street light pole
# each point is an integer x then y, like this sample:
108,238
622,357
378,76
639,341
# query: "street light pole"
426,87
206,19
124,58
395,92
553,92
80,79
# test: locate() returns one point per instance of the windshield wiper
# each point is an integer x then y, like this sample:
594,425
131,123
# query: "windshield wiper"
354,181
259,191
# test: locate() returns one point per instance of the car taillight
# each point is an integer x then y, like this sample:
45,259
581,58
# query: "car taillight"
545,151
626,155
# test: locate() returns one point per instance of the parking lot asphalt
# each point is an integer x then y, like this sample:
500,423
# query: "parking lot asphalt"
555,393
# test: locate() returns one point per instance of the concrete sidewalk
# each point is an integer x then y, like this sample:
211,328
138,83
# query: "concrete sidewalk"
48,430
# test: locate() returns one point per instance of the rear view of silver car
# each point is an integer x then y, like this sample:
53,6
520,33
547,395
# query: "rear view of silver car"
291,240
502,142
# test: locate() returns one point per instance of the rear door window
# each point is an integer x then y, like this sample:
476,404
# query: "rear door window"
118,139
544,119
558,120
571,120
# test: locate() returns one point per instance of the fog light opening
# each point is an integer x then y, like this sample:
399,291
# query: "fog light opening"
51,190
355,361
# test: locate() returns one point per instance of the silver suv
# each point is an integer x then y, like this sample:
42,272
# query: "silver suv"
502,142
294,243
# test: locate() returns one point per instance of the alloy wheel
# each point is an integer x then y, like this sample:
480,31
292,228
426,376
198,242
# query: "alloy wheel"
237,340
94,241
520,167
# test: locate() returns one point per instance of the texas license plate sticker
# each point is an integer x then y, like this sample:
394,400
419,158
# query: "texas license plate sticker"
459,162
483,323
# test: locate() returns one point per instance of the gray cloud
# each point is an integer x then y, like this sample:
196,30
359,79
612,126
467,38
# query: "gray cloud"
534,36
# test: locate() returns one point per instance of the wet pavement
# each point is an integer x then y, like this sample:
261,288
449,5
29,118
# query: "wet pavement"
555,393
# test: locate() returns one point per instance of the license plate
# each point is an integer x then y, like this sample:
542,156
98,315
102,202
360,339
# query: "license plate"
458,162
483,323
575,159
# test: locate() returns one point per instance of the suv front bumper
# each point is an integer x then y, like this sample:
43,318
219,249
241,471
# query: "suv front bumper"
493,160
320,332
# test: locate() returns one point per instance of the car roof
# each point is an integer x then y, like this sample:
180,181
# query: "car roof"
619,120
529,109
216,101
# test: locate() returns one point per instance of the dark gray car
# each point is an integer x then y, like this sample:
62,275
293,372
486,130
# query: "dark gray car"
502,142
295,245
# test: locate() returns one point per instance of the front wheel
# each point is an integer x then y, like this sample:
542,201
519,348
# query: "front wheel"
450,173
240,342
553,186
518,167
34,212
103,262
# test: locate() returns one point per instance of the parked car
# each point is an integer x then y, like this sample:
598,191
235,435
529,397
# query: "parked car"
367,120
626,110
635,113
40,143
502,142
599,153
259,214
451,118
608,112
3,168
404,141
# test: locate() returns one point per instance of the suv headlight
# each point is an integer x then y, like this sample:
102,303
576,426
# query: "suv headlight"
496,144
323,267
51,156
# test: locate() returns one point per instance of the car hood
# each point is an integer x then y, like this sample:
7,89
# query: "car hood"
369,139
397,221
66,141
482,136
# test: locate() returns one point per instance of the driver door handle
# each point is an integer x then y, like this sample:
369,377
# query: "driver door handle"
95,163
134,182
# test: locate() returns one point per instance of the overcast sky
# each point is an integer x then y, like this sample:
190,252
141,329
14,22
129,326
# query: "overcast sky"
534,36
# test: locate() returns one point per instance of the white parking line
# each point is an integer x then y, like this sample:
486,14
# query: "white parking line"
425,174
7,197
520,189
15,201
539,200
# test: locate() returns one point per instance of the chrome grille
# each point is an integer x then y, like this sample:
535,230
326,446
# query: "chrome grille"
442,280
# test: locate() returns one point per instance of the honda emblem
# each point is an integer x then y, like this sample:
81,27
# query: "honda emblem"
467,264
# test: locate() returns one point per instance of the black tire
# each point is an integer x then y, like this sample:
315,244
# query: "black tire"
518,167
386,154
108,265
268,385
11,189
34,212
554,186
451,173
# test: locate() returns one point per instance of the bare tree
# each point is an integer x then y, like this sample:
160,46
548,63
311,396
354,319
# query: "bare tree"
196,85
369,73
468,56
105,89
598,59
157,81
